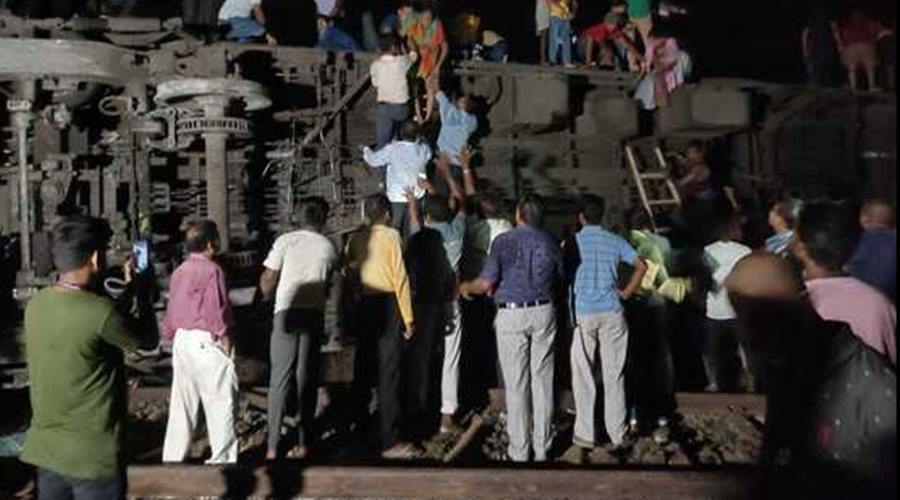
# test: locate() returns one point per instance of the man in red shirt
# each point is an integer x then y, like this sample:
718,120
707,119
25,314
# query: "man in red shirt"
856,36
612,39
199,319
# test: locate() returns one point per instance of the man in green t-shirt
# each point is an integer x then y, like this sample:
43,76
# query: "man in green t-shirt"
74,340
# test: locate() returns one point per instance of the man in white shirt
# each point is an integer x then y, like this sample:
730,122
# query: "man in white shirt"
405,161
389,77
298,272
246,20
721,342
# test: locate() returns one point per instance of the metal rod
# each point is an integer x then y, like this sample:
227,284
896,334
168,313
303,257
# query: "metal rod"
217,171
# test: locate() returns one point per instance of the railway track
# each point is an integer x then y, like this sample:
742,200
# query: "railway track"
299,481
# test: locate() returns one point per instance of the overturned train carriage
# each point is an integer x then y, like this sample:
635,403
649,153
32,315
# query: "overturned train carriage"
134,121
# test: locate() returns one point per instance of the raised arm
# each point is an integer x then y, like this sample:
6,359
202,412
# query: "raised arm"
465,158
378,158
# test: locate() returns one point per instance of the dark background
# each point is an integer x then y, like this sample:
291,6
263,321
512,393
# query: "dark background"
726,38
734,38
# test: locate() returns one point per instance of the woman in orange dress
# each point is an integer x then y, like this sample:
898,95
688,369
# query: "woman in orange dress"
429,39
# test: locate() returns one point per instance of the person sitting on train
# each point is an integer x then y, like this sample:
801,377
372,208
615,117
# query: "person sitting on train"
246,21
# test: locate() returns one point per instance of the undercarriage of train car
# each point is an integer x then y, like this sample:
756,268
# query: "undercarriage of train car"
134,121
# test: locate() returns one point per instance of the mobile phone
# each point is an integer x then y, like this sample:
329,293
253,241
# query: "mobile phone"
141,252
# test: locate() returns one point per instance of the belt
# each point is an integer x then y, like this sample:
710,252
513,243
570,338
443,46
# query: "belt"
523,305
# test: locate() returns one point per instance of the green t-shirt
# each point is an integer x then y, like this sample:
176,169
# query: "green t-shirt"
638,9
74,342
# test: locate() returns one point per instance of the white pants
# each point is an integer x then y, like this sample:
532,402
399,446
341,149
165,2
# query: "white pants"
525,346
606,334
452,353
202,373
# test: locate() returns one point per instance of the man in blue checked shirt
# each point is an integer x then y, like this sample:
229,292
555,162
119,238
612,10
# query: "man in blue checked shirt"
458,123
522,272
592,261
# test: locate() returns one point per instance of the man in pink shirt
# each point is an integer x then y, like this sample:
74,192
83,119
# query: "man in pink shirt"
199,319
827,235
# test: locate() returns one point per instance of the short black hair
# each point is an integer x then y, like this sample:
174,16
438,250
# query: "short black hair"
76,238
830,232
313,212
531,210
593,208
200,235
376,207
410,131
724,221
388,43
426,6
437,208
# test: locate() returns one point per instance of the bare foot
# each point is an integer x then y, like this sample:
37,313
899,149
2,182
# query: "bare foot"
298,453
271,455
271,40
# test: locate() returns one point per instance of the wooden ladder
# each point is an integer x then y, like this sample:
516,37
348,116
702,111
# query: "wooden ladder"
654,185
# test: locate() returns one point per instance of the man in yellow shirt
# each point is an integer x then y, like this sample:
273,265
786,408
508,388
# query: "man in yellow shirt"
385,315
561,14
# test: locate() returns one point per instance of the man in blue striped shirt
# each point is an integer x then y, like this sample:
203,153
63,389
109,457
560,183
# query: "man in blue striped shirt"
592,260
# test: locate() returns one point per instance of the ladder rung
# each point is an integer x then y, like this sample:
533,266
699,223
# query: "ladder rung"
659,203
655,177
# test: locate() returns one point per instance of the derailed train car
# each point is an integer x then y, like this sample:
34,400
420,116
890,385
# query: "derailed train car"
134,121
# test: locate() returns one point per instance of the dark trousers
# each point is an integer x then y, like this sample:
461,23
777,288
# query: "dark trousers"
423,350
650,369
54,486
390,122
400,218
441,187
721,344
378,362
294,354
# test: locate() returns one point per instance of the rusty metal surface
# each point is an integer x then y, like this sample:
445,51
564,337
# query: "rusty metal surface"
188,91
295,480
85,60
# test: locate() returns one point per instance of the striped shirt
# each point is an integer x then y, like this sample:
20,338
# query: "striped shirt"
593,268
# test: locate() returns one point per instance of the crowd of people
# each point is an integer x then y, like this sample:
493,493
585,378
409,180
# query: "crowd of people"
807,319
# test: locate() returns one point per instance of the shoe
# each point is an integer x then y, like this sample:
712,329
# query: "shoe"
400,451
298,453
662,435
448,425
583,444
621,449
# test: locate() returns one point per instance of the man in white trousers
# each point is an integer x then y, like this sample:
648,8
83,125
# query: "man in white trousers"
199,319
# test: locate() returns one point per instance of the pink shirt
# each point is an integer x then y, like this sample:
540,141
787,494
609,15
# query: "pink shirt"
665,61
871,316
198,298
